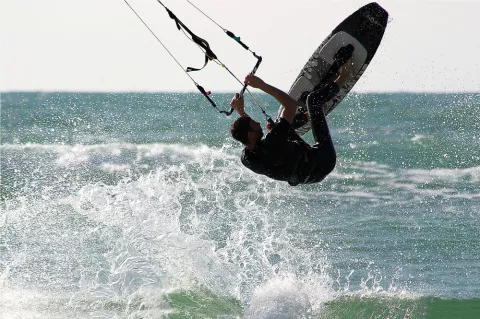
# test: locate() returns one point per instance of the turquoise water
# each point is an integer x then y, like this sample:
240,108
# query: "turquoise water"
137,206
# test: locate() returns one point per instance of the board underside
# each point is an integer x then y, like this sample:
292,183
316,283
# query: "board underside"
364,30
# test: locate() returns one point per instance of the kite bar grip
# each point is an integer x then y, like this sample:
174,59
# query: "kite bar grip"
245,86
253,72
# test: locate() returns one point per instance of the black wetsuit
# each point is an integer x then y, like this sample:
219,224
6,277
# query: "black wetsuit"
286,157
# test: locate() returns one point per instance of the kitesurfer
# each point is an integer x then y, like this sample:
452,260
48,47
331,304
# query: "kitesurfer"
282,155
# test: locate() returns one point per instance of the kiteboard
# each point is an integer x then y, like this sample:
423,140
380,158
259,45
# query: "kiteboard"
364,30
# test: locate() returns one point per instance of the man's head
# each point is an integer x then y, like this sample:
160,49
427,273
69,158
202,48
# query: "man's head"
247,131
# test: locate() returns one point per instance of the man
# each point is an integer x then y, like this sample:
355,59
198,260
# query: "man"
283,155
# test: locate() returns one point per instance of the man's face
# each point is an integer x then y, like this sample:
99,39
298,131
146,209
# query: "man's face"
257,128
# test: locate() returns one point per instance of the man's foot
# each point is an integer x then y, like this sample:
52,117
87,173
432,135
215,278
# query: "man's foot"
347,72
342,68
343,54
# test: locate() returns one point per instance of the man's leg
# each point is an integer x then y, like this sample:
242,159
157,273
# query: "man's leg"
315,102
323,151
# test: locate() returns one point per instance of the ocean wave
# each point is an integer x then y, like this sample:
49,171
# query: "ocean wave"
287,300
113,162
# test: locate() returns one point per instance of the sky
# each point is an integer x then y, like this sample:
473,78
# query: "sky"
100,45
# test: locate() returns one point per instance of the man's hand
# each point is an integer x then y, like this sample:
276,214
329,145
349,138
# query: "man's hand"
254,81
238,104
289,104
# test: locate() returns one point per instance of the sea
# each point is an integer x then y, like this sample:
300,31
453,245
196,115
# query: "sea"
136,205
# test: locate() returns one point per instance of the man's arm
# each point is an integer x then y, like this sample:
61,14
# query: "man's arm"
289,104
238,104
